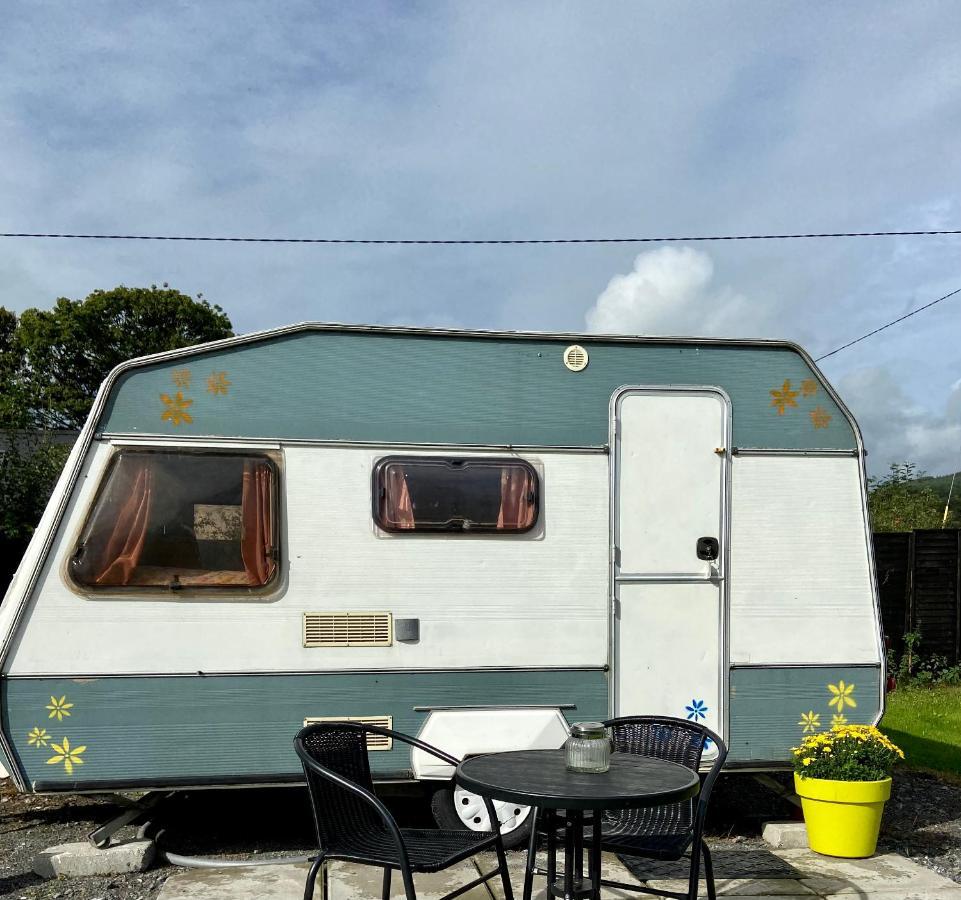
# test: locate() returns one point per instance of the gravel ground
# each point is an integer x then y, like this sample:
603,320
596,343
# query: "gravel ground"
922,821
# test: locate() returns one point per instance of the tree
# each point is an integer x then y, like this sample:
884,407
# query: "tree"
898,503
59,357
52,363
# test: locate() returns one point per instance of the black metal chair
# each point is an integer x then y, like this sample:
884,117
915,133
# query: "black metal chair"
656,832
353,825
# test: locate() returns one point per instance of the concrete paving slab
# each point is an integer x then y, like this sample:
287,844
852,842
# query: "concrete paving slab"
911,894
611,868
884,873
82,858
347,882
742,887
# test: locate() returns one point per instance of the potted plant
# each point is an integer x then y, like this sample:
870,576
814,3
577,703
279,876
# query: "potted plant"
843,777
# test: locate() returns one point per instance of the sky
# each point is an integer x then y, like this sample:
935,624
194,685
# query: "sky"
511,119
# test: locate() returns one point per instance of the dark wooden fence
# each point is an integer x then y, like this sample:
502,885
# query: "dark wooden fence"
919,582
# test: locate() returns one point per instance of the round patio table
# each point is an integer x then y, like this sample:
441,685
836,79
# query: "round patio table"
539,778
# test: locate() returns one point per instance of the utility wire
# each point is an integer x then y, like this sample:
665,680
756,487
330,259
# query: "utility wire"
395,241
864,337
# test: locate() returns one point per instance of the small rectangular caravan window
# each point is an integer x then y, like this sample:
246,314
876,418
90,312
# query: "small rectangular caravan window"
436,494
167,519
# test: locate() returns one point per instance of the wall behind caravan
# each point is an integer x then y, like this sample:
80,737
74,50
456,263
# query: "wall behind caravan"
538,599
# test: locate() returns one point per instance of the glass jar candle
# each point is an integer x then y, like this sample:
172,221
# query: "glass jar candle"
588,748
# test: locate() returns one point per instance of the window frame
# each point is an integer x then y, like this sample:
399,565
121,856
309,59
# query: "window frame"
196,591
378,485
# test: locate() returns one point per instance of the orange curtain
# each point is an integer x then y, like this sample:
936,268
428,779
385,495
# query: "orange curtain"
125,544
516,509
257,543
398,510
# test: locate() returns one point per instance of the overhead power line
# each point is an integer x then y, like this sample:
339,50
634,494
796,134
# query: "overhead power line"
462,241
864,337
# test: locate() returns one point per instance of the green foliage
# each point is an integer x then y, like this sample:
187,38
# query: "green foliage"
927,724
847,753
53,361
29,468
899,503
916,670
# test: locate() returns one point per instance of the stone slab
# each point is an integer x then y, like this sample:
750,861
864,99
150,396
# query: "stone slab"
885,873
611,868
82,858
906,894
786,835
286,882
742,887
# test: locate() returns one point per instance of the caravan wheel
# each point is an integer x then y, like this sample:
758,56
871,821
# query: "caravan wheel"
455,808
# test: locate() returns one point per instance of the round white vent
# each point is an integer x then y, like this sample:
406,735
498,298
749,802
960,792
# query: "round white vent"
575,358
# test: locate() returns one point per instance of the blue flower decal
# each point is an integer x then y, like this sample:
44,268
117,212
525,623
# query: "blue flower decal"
697,710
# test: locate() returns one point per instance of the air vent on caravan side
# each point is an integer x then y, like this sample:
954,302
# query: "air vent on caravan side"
374,741
576,358
348,629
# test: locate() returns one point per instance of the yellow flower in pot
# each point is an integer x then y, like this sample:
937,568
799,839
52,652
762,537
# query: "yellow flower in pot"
843,777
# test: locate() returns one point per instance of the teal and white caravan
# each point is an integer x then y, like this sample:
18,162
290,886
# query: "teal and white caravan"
475,537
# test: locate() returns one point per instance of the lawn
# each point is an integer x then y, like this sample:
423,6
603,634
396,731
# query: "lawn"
926,724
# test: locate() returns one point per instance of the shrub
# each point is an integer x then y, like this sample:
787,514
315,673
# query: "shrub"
847,753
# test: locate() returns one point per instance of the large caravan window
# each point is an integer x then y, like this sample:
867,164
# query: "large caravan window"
436,494
181,520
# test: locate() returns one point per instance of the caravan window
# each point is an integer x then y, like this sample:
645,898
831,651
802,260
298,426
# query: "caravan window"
181,520
436,494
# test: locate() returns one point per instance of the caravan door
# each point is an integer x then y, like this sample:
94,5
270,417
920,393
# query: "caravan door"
670,474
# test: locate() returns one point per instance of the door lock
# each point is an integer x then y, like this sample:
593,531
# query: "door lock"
707,548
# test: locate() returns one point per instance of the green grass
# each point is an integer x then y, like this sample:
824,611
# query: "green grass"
926,724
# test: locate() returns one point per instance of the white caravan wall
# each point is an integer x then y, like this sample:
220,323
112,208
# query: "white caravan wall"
539,599
800,577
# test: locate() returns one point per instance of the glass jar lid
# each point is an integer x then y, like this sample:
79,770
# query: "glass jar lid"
589,730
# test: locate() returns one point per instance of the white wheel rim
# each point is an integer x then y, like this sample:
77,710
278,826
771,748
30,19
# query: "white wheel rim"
473,813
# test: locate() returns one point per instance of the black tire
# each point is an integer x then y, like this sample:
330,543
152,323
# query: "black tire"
445,815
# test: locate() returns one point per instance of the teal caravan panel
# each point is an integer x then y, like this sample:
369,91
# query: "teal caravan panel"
773,708
197,729
398,388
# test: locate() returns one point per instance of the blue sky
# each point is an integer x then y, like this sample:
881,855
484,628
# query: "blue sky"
511,119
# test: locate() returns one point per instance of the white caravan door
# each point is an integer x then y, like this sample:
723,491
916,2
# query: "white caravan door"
671,448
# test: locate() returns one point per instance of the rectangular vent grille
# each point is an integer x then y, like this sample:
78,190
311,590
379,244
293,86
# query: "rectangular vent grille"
374,741
353,629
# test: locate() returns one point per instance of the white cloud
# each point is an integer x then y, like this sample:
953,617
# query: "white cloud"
671,291
898,430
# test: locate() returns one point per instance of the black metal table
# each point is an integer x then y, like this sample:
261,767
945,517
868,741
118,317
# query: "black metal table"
540,778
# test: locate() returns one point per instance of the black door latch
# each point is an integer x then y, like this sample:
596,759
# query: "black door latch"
707,548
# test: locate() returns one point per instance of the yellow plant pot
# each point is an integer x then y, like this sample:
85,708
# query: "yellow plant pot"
842,817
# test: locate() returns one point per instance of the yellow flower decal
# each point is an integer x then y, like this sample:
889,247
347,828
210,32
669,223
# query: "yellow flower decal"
820,417
69,756
38,736
217,383
59,708
841,696
811,721
809,387
783,398
181,377
176,409
839,719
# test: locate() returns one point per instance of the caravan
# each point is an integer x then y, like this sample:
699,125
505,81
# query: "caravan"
473,537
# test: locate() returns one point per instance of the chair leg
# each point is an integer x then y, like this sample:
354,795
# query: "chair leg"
708,872
317,865
385,893
502,867
695,870
408,877
531,856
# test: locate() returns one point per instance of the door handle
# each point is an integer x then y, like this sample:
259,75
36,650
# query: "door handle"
708,548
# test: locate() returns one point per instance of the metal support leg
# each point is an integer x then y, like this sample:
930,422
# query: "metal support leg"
568,855
100,837
577,863
531,856
551,820
312,877
594,866
708,872
385,893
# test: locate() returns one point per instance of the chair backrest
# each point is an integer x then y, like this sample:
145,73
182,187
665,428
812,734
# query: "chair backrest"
661,737
340,747
676,740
